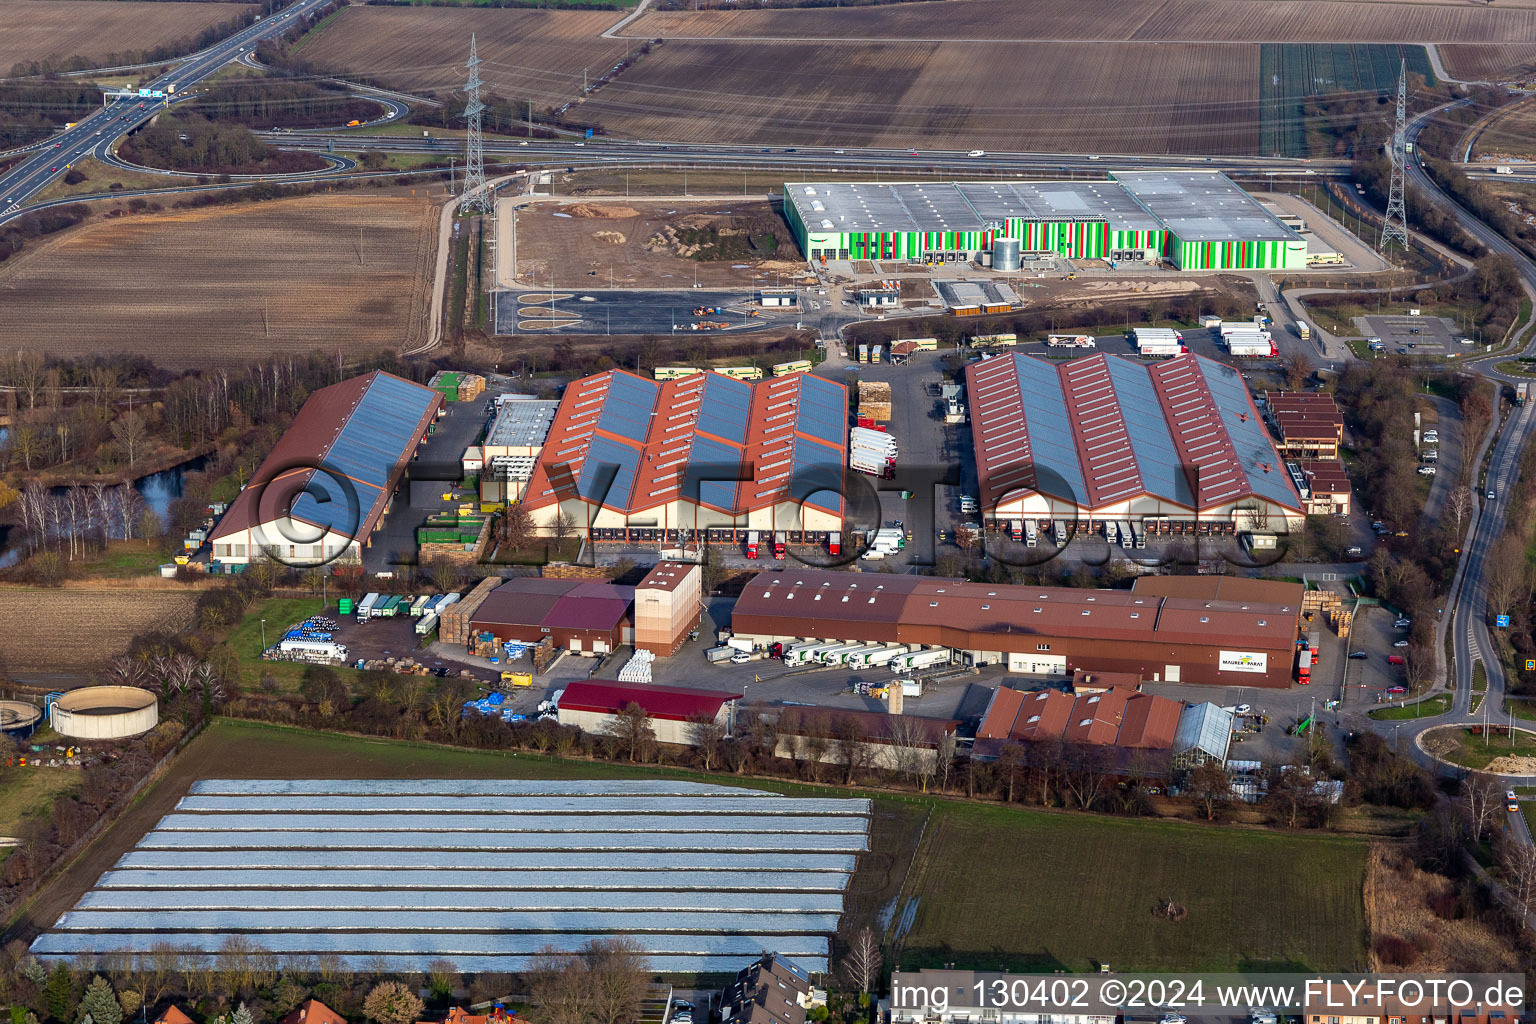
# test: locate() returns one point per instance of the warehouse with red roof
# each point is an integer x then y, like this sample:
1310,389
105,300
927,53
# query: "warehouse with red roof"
635,459
1176,443
595,706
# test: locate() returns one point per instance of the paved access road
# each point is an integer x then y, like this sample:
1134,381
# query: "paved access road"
95,133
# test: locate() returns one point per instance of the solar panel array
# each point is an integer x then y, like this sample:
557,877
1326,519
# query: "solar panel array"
377,438
823,410
727,404
1131,427
485,873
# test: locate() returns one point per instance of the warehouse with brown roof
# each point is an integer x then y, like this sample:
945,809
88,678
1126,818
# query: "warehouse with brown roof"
583,616
1035,630
1309,424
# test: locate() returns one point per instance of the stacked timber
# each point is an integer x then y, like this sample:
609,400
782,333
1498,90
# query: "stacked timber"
875,401
453,625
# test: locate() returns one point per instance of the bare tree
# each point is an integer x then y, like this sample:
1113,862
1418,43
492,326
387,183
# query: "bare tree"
1087,769
851,746
1210,787
862,963
619,972
908,740
131,432
1297,368
1509,577
1519,860
707,735
1458,505
631,727
944,762
516,527
1481,799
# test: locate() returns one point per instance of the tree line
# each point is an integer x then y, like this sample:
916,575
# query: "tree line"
30,110
280,104
191,142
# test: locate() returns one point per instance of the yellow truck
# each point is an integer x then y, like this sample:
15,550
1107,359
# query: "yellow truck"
517,678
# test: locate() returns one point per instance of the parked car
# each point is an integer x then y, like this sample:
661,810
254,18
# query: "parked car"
1242,709
1358,654
1400,643
1396,659
1403,623
1426,471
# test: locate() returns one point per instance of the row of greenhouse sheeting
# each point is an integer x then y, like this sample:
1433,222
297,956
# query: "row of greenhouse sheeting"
484,874
567,862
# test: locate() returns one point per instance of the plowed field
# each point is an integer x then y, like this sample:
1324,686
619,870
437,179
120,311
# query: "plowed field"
35,29
1333,21
234,284
527,54
1493,62
1076,97
63,631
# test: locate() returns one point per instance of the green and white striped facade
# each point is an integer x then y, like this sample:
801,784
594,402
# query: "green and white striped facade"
1197,220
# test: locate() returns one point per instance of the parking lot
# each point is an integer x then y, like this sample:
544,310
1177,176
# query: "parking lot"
604,311
1368,679
1431,336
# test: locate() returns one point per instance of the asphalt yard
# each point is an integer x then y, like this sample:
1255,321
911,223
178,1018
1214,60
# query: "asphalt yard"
606,311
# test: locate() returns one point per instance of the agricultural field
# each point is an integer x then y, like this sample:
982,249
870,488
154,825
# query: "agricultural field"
236,283
1309,889
44,634
1310,886
1511,133
39,29
529,54
1123,98
1489,61
1237,21
1291,74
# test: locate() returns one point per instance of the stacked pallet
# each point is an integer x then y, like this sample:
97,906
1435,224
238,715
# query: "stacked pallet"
453,625
874,400
456,386
1331,606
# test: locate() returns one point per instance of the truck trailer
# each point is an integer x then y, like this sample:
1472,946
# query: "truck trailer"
916,661
365,607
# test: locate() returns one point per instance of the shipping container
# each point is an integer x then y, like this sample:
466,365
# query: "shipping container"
426,624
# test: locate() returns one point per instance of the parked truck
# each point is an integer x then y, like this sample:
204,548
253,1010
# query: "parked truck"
314,648
1031,533
365,607
752,542
1303,330
715,655
916,661
737,643
780,540
426,624
1304,666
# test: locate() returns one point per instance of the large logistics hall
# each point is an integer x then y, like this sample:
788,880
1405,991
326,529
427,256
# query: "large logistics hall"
1197,220
1191,636
651,459
1177,443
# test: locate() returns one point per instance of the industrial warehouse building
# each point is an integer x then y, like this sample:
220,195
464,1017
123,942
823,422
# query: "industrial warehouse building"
595,706
322,491
634,459
1225,640
582,616
1198,220
1174,445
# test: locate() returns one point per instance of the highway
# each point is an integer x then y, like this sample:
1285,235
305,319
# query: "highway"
96,133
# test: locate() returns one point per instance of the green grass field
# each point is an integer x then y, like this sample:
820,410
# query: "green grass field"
994,885
1022,890
29,793
1460,746
1428,708
245,639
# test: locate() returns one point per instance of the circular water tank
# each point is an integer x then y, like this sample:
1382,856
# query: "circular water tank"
18,716
1005,254
105,712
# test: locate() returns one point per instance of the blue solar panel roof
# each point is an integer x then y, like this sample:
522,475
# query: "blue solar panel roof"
723,411
1050,429
331,502
816,476
713,471
627,408
381,430
1156,455
607,458
823,409
1248,434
